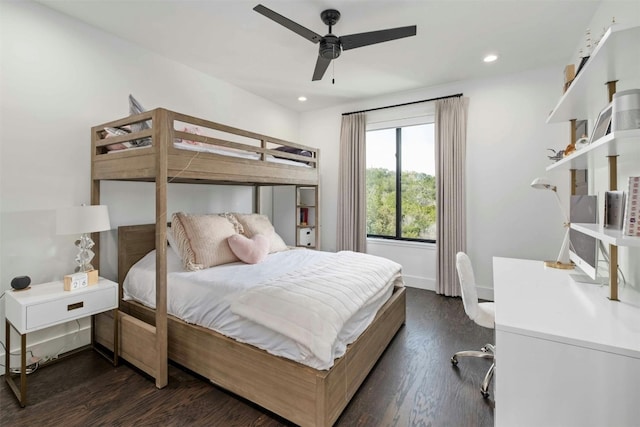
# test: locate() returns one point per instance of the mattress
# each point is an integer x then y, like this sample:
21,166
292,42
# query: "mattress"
208,148
205,297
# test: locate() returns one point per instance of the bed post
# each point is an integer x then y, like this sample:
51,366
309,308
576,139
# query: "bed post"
162,136
95,196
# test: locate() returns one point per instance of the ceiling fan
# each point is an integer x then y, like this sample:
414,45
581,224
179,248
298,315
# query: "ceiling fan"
330,45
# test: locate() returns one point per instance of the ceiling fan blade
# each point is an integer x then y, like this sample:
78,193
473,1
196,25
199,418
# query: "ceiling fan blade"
321,66
364,39
288,23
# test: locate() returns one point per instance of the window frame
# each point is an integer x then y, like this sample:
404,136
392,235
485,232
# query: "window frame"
398,125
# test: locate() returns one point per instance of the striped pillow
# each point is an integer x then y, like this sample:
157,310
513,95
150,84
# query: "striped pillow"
201,240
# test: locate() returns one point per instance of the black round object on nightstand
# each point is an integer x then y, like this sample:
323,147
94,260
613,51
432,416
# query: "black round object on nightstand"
20,282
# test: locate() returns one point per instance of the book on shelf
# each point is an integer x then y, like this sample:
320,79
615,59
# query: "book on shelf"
613,209
631,223
304,216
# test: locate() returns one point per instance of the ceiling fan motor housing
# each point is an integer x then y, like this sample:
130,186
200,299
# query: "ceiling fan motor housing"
330,47
330,17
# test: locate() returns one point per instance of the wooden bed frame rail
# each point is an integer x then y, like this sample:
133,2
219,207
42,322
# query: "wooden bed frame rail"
198,167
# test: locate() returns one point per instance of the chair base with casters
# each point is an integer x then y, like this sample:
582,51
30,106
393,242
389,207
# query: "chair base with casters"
486,352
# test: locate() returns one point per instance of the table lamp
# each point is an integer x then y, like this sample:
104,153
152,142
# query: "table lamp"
83,220
545,184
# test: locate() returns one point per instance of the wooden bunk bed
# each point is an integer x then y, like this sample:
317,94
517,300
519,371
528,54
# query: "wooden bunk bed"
301,394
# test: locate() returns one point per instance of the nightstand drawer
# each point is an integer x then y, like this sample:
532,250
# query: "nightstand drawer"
75,306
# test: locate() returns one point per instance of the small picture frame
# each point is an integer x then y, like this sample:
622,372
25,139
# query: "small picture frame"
603,124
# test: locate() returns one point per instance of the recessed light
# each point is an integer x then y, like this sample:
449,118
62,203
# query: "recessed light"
302,98
490,58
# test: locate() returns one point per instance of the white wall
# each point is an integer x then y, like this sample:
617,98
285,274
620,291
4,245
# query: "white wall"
59,77
506,149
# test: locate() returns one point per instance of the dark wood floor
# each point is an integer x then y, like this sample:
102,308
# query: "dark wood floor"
413,384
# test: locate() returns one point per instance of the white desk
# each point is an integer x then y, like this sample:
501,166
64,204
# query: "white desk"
565,354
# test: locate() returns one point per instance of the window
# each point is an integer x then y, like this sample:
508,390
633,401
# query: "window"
401,190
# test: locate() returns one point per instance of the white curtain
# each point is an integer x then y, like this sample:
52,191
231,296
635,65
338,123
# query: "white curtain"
451,141
352,215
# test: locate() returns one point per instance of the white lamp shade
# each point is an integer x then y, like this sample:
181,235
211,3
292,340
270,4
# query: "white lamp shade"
82,219
543,184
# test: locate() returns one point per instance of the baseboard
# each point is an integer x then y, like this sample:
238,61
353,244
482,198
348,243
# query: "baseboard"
485,293
430,285
419,282
49,347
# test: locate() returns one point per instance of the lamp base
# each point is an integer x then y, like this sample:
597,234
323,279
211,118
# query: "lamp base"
560,265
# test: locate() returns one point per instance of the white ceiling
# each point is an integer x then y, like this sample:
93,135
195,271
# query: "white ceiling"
228,40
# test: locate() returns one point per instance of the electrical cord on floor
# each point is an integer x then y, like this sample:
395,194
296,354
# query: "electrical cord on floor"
31,368
57,353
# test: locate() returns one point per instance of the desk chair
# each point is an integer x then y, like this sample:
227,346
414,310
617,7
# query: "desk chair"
481,313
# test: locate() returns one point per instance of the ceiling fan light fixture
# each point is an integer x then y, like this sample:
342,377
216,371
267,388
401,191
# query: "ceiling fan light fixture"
492,57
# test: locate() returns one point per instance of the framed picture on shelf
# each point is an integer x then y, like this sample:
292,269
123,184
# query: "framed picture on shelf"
613,209
603,124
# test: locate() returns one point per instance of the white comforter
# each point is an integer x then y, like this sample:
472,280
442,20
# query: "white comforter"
205,297
312,306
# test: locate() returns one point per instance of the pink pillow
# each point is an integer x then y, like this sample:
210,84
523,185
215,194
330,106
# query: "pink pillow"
252,250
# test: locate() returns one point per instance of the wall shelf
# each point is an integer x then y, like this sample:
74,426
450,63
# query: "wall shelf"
613,59
607,235
620,143
307,214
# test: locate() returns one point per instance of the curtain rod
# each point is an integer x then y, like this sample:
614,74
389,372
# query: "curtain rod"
457,95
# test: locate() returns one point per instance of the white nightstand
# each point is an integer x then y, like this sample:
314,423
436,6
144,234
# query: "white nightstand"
48,304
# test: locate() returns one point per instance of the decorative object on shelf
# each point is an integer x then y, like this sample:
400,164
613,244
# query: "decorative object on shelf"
585,53
569,149
583,62
20,283
569,75
582,142
75,281
562,261
588,46
557,155
92,277
603,124
83,220
626,110
631,225
304,216
613,209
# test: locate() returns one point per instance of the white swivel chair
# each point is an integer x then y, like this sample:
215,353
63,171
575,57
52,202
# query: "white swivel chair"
481,313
